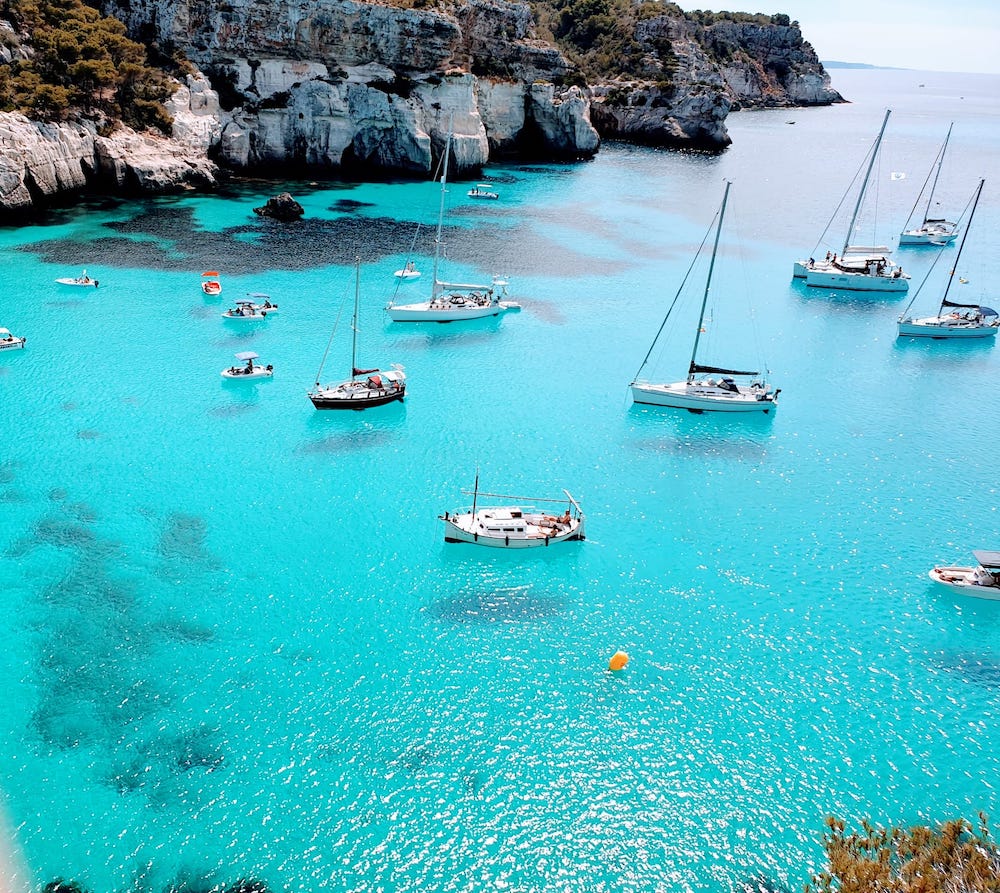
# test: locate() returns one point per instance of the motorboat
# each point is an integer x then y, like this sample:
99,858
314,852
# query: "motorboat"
981,581
934,230
452,301
515,524
210,283
706,388
408,273
954,319
9,341
366,387
483,190
258,307
81,281
855,267
250,369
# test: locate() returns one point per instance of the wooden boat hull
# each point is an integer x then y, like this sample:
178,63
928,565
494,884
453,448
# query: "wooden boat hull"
960,579
699,397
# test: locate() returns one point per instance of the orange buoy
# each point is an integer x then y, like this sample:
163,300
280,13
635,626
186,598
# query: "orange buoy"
618,661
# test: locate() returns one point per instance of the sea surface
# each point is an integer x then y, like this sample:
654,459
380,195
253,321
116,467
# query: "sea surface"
235,645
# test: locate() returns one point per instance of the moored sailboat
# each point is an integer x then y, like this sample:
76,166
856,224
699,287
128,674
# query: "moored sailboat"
934,230
706,388
452,301
954,319
514,526
366,387
856,267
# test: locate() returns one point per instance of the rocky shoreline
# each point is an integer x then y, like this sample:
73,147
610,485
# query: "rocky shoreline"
344,86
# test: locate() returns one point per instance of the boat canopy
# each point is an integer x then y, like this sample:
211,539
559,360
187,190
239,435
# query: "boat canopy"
988,311
484,186
4,331
988,559
210,273
697,367
247,355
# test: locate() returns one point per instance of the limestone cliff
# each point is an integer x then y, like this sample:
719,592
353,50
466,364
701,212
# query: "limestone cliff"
693,75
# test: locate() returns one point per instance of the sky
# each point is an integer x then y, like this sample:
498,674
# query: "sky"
930,35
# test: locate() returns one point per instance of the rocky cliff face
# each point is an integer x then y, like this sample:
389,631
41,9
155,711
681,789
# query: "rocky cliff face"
696,75
339,83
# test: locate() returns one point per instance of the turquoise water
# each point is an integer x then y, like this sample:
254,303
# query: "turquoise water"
236,645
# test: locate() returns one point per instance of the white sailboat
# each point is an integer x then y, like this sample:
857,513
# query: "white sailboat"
953,319
366,387
934,230
452,301
707,388
520,525
856,267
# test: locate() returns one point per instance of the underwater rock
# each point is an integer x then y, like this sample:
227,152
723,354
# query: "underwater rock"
282,207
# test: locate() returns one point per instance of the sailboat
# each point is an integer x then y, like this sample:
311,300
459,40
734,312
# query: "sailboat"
954,319
856,267
934,230
707,388
366,387
451,301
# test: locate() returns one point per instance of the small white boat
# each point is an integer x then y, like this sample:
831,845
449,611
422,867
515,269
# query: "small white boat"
408,272
981,581
706,388
250,369
9,341
934,230
483,190
953,320
251,309
210,283
857,268
81,281
452,301
514,526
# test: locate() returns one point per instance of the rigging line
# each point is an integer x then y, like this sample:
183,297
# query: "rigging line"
843,198
336,325
680,289
409,255
741,250
938,159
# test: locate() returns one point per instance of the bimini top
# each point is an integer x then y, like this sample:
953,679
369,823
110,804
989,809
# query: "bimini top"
247,355
988,559
4,331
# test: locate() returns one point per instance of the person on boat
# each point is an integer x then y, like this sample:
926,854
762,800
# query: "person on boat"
982,577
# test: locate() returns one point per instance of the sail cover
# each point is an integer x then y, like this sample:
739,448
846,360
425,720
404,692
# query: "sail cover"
696,368
947,303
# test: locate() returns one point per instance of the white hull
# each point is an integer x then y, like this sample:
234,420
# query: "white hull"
539,531
245,373
78,283
945,327
407,275
962,579
259,313
825,276
929,236
700,396
446,311
12,344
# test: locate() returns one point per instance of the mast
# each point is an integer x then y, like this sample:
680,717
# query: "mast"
437,236
354,321
864,184
965,235
930,198
708,281
475,494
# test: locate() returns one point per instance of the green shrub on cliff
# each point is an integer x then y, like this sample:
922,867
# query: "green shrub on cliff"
80,60
953,857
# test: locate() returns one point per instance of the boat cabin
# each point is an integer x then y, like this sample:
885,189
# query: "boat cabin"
503,522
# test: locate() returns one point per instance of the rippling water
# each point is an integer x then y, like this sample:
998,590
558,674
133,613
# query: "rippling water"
235,645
